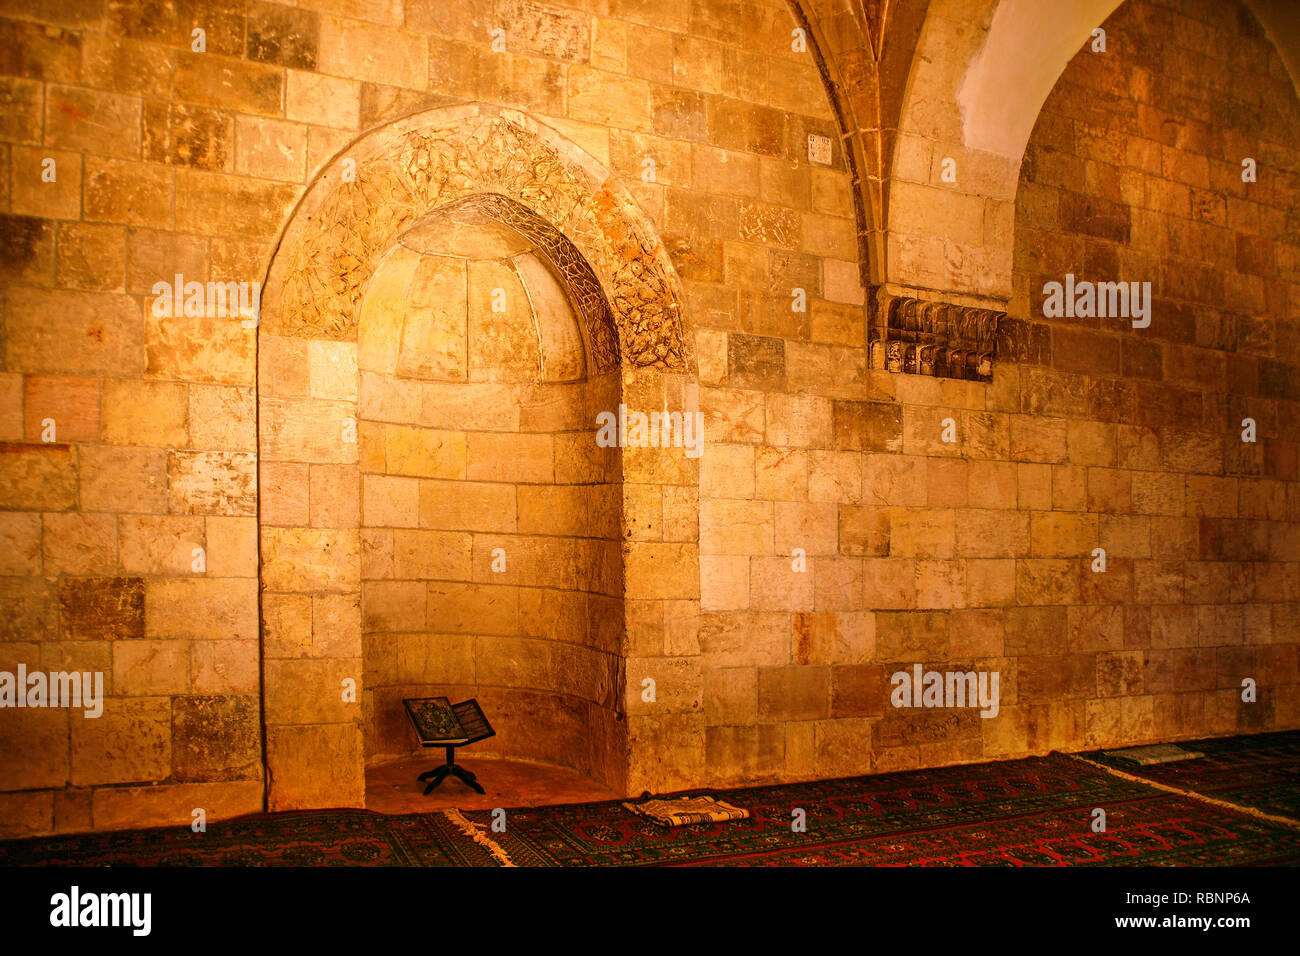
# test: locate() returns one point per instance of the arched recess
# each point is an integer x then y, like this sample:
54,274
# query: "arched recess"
387,183
981,72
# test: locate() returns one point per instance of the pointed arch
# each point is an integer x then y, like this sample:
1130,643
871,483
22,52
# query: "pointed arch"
392,178
389,181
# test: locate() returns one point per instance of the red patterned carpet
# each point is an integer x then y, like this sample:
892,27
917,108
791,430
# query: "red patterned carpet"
1032,812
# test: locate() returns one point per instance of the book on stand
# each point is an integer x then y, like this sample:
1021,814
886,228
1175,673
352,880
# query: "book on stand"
440,723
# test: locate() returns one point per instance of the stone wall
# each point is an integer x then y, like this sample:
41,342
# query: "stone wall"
1134,173
171,161
973,554
978,554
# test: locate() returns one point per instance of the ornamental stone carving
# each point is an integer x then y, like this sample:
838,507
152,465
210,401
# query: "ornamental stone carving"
510,168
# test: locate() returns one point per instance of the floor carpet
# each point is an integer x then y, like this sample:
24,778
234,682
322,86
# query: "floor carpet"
1260,771
300,838
1031,812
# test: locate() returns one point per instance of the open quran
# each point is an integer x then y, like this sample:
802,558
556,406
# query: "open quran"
440,723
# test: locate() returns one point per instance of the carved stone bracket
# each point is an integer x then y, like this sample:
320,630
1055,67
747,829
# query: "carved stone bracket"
925,337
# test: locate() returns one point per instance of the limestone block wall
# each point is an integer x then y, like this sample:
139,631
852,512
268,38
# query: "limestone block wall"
170,161
977,554
177,162
1135,173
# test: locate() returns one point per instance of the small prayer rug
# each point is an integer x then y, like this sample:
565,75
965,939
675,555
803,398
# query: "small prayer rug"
1159,753
685,811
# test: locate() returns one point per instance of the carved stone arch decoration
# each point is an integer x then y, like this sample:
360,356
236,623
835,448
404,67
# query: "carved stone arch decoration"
516,170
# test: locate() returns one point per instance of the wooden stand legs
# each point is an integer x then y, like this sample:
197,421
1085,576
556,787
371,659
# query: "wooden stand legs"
439,774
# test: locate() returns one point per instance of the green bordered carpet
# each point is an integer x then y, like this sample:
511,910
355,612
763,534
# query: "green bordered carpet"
1259,771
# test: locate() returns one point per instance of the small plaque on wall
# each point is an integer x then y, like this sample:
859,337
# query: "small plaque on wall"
820,152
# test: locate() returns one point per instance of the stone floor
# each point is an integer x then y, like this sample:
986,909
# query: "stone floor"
393,788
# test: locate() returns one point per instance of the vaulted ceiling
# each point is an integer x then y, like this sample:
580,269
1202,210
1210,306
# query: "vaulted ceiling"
967,78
